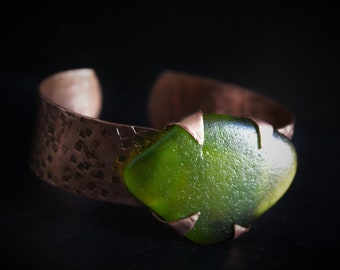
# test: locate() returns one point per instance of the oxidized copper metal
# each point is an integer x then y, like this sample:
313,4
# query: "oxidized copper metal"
77,152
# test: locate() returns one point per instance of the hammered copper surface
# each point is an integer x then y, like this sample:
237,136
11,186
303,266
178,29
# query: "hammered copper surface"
76,151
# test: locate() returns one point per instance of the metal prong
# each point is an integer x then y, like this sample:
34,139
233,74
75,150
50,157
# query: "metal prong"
239,230
194,125
288,130
265,131
181,226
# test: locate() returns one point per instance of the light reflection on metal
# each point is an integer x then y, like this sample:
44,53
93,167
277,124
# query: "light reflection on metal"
239,230
194,125
265,131
181,226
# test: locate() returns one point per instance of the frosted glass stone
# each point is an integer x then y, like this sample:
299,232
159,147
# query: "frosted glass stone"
231,179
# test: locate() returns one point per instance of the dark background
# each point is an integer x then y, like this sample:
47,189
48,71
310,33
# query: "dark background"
288,52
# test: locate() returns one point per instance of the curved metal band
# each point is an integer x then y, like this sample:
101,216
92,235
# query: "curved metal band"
76,151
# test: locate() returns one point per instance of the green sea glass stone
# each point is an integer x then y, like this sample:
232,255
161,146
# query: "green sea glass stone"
230,179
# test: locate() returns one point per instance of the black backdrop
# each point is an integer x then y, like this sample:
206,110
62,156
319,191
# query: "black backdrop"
287,52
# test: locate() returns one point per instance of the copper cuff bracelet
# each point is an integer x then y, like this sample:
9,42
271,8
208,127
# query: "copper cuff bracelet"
77,152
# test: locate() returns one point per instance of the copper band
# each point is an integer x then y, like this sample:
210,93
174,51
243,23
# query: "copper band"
77,152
